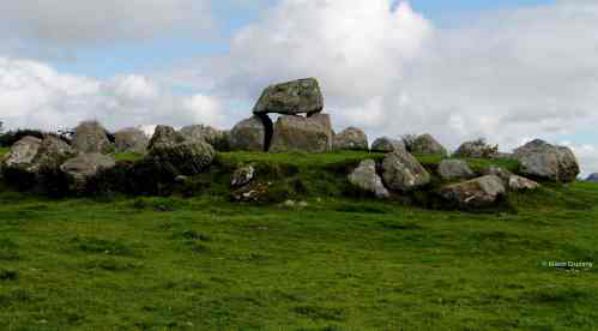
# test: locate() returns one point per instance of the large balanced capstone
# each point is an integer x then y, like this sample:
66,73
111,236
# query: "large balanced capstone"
301,96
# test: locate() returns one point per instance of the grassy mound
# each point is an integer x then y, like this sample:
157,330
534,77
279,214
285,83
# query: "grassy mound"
204,263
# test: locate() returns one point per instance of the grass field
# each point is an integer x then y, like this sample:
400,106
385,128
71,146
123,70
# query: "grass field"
4,151
338,264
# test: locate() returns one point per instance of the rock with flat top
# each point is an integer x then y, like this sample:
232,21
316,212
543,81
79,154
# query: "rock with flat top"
301,96
481,192
302,134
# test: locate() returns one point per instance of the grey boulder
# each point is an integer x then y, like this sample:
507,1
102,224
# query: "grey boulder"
248,135
519,183
351,138
401,171
454,169
425,144
301,96
52,153
476,193
387,145
199,132
542,160
165,135
366,179
23,152
84,166
187,158
131,140
91,137
303,134
477,149
510,180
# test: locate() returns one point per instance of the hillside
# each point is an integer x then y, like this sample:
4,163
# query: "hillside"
332,263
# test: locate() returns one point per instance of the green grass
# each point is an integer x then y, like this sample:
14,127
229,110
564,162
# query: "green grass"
129,156
4,151
204,263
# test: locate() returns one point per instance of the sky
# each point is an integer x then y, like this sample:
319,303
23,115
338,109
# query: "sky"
508,71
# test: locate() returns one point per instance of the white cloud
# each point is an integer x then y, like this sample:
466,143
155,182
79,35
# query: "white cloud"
91,21
34,95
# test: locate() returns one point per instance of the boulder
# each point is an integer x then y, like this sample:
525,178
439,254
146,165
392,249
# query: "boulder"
23,152
365,178
518,183
301,96
476,193
510,180
91,137
387,145
477,149
351,139
298,133
186,158
401,171
502,173
425,144
204,133
131,140
454,169
52,153
592,178
242,176
542,160
84,166
248,135
165,135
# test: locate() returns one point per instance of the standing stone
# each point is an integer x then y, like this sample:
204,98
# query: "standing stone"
454,169
401,171
131,140
476,193
306,134
248,135
387,145
165,135
545,161
301,96
84,166
365,178
23,152
425,144
351,138
91,137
